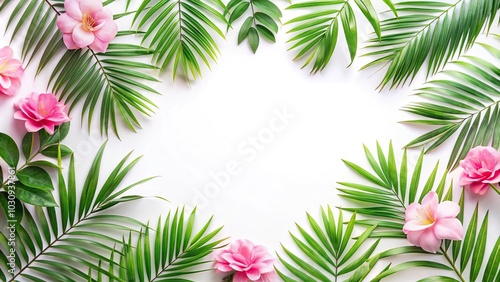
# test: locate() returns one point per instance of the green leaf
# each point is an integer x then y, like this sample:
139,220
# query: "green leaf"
52,151
27,144
35,177
245,28
253,39
8,150
33,196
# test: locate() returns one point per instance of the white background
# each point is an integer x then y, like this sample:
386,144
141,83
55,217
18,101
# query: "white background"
198,129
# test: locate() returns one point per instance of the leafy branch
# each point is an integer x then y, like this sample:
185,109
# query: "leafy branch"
80,233
382,200
261,23
316,32
428,30
328,250
466,98
180,32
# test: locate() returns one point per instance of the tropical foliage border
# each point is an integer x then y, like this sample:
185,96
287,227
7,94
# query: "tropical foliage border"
460,98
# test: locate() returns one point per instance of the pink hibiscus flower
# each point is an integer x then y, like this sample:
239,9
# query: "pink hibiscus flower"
41,111
11,72
87,23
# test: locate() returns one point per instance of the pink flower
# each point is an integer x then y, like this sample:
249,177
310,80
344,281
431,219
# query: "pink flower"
41,111
251,263
428,223
87,23
481,167
11,72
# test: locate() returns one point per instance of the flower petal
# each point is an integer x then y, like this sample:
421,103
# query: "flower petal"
66,23
99,46
449,228
90,6
107,32
415,225
5,82
69,42
253,274
6,53
73,10
429,242
82,37
447,209
479,188
430,202
240,277
412,211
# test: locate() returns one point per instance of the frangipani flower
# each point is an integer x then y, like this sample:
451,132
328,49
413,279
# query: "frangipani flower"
430,222
481,168
251,263
41,111
87,23
11,71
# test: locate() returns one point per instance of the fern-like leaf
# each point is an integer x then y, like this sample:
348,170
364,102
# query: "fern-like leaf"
465,100
78,234
316,32
383,198
173,252
329,250
181,32
428,30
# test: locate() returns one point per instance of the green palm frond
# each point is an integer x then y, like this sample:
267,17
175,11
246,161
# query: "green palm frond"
382,199
316,32
105,76
261,24
56,243
429,30
465,100
113,78
39,17
181,32
172,252
329,249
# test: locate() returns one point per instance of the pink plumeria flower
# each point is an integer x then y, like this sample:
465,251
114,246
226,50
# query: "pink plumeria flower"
251,263
430,222
11,71
41,111
481,169
87,24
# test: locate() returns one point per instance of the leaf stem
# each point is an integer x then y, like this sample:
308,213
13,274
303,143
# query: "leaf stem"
495,188
53,8
452,264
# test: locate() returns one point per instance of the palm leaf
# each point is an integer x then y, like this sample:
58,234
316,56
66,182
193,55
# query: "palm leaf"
316,32
173,252
383,197
429,30
464,99
83,76
105,76
54,244
262,23
181,32
328,251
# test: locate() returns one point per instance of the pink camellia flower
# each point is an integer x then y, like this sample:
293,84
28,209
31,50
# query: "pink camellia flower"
481,167
251,263
41,111
11,71
87,23
430,222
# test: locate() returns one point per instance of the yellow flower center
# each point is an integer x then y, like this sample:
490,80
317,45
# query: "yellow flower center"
425,216
88,22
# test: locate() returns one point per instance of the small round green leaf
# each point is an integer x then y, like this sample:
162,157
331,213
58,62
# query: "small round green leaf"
8,150
27,144
35,177
34,197
51,151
